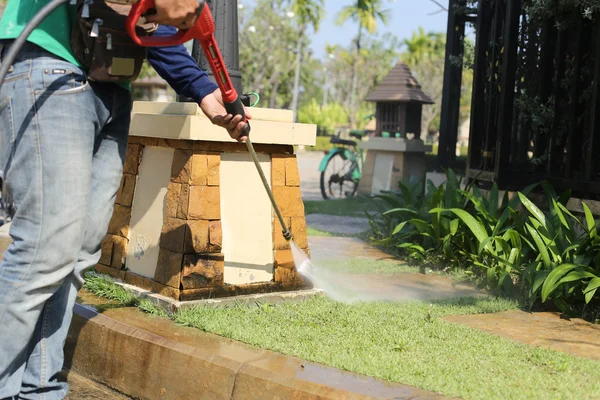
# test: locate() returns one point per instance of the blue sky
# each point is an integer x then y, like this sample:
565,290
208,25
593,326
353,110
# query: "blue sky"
406,17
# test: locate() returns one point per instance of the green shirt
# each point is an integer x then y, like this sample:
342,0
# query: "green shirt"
53,34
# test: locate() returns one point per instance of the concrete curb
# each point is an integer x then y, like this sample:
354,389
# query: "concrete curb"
171,362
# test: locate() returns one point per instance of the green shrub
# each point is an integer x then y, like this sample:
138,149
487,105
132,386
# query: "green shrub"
547,257
322,143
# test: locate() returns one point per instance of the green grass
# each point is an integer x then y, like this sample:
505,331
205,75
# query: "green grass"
366,266
355,206
407,342
317,232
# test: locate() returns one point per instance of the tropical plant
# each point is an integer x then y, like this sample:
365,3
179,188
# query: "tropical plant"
547,257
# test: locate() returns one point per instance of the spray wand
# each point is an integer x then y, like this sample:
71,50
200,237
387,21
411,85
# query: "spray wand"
203,31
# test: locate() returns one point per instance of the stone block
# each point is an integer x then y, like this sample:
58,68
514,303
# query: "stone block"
215,236
284,259
179,144
181,169
172,200
278,170
228,147
119,252
199,169
133,157
134,140
106,270
168,268
173,234
161,143
151,285
292,175
289,200
106,250
205,202
286,275
197,237
126,190
299,231
119,223
279,242
202,271
214,162
184,201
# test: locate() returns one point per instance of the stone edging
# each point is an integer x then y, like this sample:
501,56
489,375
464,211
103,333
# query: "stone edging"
146,365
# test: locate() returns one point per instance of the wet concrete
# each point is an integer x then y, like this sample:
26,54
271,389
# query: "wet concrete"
338,224
323,249
308,168
151,357
575,336
375,287
400,287
81,388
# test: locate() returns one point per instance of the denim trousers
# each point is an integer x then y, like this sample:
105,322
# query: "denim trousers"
62,147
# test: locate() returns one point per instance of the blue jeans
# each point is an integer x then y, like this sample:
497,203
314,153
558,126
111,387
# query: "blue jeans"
62,147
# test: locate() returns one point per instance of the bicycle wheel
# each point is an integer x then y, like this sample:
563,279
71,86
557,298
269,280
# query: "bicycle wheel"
337,180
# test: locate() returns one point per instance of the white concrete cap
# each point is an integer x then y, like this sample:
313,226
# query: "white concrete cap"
186,121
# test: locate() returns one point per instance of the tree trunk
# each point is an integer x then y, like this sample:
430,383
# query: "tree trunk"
273,97
296,89
355,75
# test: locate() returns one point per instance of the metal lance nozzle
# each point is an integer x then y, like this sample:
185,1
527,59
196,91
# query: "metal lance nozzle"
286,232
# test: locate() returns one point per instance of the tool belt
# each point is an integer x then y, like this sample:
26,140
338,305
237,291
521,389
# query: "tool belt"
100,41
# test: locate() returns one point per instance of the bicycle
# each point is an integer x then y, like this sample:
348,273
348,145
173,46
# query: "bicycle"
348,175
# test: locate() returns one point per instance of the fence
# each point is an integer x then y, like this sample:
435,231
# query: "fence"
536,95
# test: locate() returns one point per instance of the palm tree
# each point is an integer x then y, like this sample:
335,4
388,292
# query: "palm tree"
309,14
366,13
422,46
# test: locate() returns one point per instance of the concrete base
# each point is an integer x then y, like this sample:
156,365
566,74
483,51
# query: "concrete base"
172,305
390,161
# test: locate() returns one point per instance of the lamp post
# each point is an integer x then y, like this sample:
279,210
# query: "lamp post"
225,14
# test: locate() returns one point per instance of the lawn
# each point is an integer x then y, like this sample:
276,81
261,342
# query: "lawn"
408,343
354,206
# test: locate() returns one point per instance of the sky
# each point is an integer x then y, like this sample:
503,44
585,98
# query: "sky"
406,17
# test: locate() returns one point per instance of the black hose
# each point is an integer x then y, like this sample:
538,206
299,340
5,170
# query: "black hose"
22,38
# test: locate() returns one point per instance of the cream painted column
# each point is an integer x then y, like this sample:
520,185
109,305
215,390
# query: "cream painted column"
382,179
246,217
147,214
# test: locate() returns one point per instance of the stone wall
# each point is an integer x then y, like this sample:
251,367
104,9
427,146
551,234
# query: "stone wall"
190,259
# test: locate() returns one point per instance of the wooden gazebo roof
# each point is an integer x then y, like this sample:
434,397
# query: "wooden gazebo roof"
399,86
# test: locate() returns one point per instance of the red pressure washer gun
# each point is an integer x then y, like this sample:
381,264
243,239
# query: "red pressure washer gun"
203,31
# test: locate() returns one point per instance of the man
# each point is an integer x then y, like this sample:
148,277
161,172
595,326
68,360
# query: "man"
62,147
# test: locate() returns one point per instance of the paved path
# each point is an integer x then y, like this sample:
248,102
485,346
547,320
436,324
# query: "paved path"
574,336
334,251
338,224
81,388
310,177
